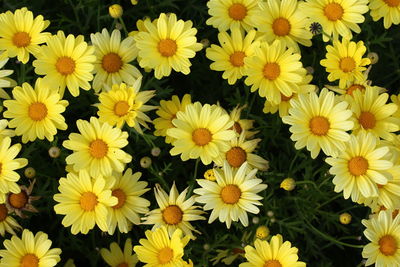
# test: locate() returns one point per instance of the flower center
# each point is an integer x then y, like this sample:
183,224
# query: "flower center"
273,263
236,156
98,148
333,11
237,128
124,264
111,63
37,111
392,3
237,11
121,108
29,260
172,214
201,136
65,65
355,87
319,125
237,58
120,194
88,201
367,120
286,98
388,245
18,201
3,212
347,64
21,39
230,194
271,71
281,27
165,255
167,47
358,166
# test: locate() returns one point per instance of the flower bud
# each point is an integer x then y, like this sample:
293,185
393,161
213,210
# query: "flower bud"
155,151
373,57
262,232
288,184
115,11
209,175
30,172
145,162
54,152
345,218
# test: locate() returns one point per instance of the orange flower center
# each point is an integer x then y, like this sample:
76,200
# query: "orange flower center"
201,136
392,3
367,120
21,39
37,111
237,128
124,264
358,166
281,27
165,255
236,156
355,87
333,11
172,215
388,245
111,63
237,11
285,98
237,58
120,194
271,71
98,148
88,201
18,201
29,260
347,64
65,65
273,263
3,212
319,125
230,194
167,47
121,108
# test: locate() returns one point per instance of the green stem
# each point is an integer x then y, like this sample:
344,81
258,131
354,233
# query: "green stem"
328,201
195,168
123,25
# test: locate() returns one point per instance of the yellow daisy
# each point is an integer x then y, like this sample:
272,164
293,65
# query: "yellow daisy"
319,122
274,253
167,44
229,57
66,62
283,20
128,189
97,148
360,167
242,125
229,14
232,195
7,223
337,17
35,113
21,33
161,250
384,233
115,257
389,10
174,212
30,250
85,201
201,132
113,58
4,131
344,61
5,82
125,104
274,69
167,112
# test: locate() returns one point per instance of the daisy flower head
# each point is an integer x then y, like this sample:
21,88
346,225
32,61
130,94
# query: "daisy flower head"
85,201
7,223
125,104
167,44
389,10
174,212
29,250
337,17
98,148
35,113
21,33
167,112
344,61
232,195
116,257
319,122
201,132
112,59
22,201
229,57
241,125
5,82
273,70
66,62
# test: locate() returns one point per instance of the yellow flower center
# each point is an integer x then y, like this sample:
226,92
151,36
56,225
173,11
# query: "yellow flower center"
355,87
172,214
271,71
3,212
392,3
281,27
88,201
29,260
124,264
273,263
237,11
65,65
358,166
347,64
236,156
21,39
18,201
37,111
201,136
111,62
237,58
120,194
388,245
367,120
237,128
230,194
121,108
165,255
319,125
333,11
98,148
167,47
285,98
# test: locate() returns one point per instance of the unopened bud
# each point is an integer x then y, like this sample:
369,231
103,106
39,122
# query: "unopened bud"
115,11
